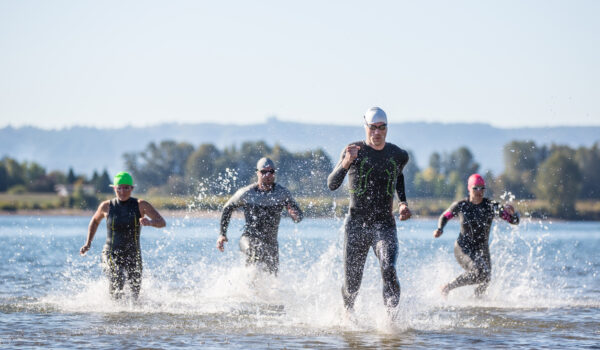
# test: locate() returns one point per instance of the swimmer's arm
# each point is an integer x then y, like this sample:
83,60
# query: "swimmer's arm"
228,209
294,210
146,209
336,178
100,214
510,215
232,204
403,210
444,218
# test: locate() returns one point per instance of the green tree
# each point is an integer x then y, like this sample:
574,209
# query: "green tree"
429,183
201,166
71,178
410,172
153,166
36,178
102,182
521,162
588,160
3,177
558,182
435,162
303,173
15,172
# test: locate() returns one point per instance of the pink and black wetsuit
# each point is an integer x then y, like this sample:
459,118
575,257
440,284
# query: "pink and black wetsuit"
472,250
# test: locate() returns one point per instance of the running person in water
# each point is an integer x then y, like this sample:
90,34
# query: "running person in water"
472,250
262,203
121,256
374,169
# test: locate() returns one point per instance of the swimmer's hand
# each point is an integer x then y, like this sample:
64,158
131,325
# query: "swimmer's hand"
84,249
145,221
404,211
221,243
351,155
509,209
437,233
293,213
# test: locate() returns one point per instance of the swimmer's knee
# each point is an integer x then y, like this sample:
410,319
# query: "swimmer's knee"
483,275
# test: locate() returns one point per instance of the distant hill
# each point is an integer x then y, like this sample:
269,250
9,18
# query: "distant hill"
88,149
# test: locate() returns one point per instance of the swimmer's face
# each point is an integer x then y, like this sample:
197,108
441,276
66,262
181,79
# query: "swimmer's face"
375,134
266,176
476,193
123,192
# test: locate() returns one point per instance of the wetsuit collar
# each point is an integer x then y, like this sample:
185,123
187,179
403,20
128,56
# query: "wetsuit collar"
123,202
261,190
373,148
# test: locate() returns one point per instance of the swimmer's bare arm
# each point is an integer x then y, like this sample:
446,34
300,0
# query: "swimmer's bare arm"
100,214
146,209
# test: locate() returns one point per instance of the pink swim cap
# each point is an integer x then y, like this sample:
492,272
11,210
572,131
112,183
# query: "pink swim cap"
475,180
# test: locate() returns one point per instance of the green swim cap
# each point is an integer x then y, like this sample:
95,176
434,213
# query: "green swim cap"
122,178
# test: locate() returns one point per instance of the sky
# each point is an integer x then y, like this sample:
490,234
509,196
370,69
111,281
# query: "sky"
525,63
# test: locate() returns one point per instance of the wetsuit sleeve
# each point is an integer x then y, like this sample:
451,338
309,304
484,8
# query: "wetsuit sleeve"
513,219
451,212
400,187
336,178
294,205
232,204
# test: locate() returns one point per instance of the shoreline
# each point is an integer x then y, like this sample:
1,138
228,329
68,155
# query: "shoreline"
209,214
90,213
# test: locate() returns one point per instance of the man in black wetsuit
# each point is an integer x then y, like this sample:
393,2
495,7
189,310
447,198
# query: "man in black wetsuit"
374,169
262,203
122,256
472,250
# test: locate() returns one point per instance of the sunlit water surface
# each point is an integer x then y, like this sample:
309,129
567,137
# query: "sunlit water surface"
545,291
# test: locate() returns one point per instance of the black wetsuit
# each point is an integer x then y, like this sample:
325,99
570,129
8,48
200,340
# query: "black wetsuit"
472,250
121,256
262,211
373,177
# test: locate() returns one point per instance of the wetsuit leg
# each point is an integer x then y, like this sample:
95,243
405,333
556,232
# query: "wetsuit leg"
112,266
477,267
385,246
134,272
261,254
357,242
485,261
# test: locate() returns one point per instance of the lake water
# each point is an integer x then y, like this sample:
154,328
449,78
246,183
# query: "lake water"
545,290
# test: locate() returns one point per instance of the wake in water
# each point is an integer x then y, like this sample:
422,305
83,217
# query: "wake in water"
184,277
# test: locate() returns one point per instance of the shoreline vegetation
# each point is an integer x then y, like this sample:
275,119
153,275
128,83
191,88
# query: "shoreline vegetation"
317,207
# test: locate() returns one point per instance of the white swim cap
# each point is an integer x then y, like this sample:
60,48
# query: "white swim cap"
375,115
265,162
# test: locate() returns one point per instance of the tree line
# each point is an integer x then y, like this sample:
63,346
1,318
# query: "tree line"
179,168
557,174
20,177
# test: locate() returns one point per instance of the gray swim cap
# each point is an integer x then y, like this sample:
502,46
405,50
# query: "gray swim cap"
265,162
375,115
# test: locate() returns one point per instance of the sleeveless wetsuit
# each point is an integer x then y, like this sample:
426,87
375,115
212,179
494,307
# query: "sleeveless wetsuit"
121,256
262,211
373,178
472,250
